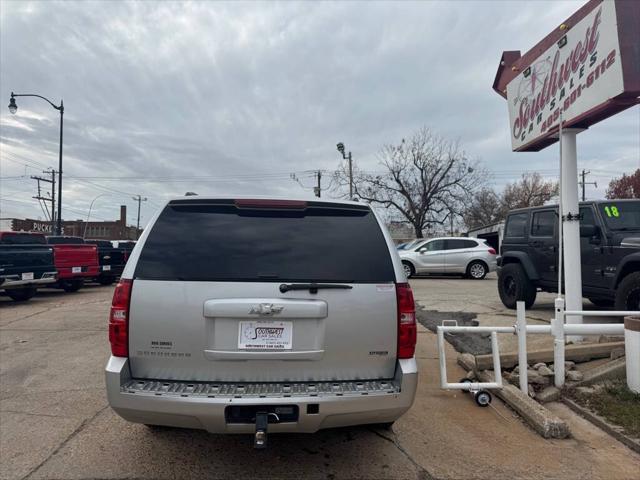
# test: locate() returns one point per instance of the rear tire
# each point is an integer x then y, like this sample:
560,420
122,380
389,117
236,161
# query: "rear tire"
105,280
74,285
409,270
514,286
477,270
384,426
628,293
21,294
602,302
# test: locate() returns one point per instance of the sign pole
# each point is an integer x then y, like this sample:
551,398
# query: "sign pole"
571,224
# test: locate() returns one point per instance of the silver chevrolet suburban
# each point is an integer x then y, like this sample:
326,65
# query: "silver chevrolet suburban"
242,315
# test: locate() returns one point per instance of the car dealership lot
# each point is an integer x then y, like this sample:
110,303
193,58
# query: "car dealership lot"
55,422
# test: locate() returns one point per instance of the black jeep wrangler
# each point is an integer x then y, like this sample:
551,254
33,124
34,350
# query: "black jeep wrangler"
610,250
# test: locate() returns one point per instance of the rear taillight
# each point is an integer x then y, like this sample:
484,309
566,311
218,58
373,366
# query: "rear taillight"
492,251
119,319
407,330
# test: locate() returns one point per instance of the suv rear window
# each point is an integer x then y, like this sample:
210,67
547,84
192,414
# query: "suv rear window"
455,244
216,241
516,225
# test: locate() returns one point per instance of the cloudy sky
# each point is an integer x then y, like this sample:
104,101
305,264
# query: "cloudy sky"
163,98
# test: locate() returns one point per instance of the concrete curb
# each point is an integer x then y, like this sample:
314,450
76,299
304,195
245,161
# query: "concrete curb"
601,423
576,353
610,370
538,417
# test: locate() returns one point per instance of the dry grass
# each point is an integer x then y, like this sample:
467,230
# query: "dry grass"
614,401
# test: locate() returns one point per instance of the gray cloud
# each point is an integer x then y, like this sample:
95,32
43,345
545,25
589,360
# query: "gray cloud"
228,92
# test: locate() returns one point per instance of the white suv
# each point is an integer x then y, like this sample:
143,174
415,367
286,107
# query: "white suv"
232,314
471,257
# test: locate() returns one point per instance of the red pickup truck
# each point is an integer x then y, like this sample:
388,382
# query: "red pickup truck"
74,260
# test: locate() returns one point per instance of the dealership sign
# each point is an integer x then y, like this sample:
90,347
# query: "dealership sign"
585,71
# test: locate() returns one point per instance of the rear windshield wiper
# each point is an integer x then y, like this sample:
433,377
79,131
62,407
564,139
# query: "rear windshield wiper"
312,287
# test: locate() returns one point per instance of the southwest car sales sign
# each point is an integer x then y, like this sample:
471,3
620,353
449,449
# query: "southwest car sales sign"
586,70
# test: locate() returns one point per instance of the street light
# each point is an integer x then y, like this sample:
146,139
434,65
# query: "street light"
340,147
84,234
13,108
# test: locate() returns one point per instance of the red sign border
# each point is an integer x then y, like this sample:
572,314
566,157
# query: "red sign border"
628,20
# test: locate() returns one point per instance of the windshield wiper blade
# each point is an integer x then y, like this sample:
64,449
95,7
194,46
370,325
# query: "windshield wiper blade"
312,287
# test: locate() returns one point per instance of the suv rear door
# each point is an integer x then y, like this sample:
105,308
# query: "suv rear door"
217,294
459,253
543,242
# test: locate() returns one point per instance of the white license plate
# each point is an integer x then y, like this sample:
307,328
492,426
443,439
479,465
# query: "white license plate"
265,335
27,276
76,269
106,268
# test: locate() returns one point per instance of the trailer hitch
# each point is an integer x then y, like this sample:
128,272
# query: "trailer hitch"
262,424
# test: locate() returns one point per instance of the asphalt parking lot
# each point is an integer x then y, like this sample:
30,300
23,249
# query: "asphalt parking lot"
55,421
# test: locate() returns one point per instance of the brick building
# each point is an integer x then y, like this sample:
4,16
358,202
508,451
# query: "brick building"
105,230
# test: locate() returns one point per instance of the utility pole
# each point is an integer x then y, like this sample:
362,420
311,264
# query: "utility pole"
340,147
317,190
350,178
50,216
138,199
53,201
583,183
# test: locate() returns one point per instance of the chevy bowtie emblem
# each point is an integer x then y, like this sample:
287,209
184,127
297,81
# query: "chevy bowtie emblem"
266,309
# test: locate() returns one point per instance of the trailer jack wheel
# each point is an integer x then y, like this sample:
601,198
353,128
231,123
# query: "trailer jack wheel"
482,398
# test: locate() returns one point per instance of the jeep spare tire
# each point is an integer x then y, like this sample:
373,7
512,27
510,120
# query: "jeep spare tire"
514,286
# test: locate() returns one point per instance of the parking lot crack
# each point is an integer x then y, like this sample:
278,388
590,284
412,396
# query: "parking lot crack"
3,327
71,436
34,414
423,474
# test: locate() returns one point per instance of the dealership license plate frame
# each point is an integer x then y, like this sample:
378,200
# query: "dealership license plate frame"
265,335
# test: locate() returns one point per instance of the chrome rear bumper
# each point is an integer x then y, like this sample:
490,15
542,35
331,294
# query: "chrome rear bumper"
15,281
202,405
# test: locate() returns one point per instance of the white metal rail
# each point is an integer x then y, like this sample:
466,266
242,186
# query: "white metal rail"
558,328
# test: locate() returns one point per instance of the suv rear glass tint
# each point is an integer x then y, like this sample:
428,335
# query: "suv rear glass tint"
516,225
455,244
544,223
216,241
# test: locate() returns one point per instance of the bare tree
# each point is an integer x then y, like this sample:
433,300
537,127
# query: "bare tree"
425,179
486,207
530,191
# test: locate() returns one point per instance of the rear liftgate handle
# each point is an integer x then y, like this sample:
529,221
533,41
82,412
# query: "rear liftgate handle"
262,423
